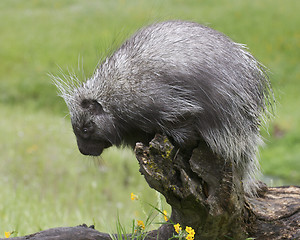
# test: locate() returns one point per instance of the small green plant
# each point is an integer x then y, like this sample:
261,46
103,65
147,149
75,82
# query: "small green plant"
139,228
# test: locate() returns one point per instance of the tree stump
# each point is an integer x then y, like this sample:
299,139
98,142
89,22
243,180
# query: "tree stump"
205,193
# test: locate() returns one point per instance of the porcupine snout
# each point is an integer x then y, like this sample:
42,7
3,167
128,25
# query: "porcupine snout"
88,140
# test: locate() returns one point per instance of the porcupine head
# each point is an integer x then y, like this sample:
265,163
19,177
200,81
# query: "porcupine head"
178,78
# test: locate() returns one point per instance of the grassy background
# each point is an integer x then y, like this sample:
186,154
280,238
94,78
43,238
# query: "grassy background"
44,181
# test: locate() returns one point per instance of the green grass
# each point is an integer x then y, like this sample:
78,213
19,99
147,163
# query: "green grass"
44,181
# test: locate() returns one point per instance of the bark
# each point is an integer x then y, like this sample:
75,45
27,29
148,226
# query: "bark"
205,193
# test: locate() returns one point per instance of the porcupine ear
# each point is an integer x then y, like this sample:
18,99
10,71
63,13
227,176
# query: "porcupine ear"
92,105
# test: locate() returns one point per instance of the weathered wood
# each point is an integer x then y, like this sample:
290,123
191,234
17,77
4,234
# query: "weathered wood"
67,233
205,192
276,214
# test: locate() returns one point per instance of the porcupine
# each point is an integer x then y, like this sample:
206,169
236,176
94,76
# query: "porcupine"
179,78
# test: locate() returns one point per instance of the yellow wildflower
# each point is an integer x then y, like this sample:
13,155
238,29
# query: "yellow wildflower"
191,233
165,215
190,230
7,234
189,237
177,227
141,224
134,197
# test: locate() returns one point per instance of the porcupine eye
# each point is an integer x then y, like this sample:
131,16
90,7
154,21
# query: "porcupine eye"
92,106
